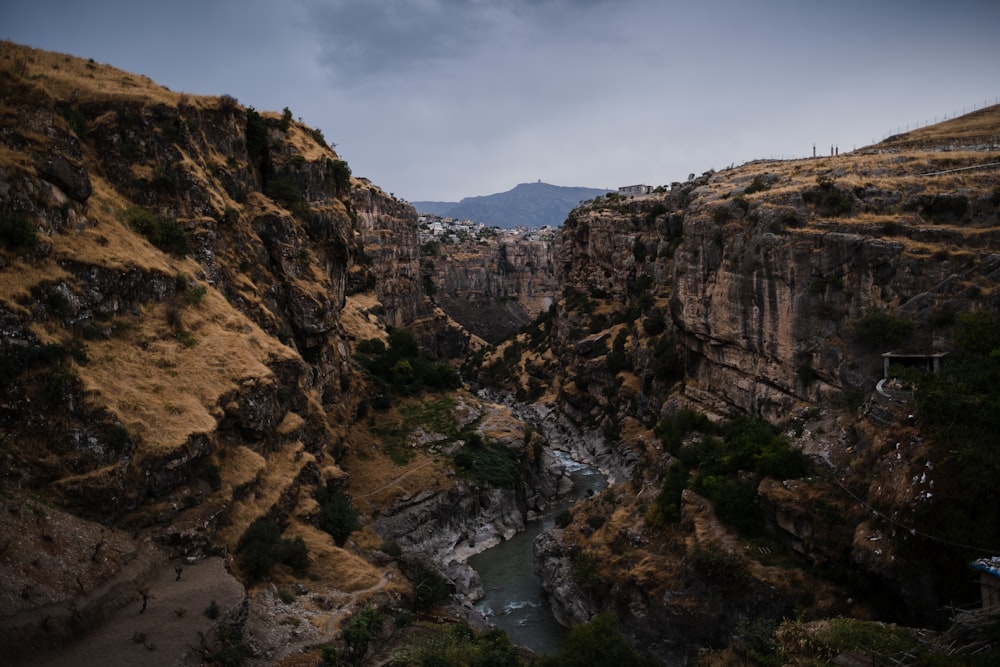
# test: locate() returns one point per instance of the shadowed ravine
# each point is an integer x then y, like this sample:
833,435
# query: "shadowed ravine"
514,597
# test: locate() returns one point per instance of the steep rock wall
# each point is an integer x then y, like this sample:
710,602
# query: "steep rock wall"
492,286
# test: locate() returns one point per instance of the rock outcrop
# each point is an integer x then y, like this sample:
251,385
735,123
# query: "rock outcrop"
770,290
493,285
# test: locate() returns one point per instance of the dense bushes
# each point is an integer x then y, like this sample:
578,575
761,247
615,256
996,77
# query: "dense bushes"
262,547
336,515
17,231
402,368
489,463
878,329
165,233
340,172
959,409
828,199
287,192
717,460
599,642
460,645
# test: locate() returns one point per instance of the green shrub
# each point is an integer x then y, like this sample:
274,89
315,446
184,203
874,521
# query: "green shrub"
654,325
287,192
360,631
336,515
75,119
164,233
828,199
617,360
429,588
256,135
402,367
490,464
17,231
671,431
851,634
213,611
317,135
340,172
599,642
232,649
879,329
460,645
577,300
639,250
669,499
262,547
979,331
756,185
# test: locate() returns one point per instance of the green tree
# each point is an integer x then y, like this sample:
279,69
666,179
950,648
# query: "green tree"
337,515
978,331
599,642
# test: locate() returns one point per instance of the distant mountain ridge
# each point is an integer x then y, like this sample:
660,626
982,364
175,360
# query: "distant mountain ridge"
526,205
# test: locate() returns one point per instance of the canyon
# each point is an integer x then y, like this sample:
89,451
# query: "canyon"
202,312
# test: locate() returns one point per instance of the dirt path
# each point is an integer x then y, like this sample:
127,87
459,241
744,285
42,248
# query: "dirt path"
395,480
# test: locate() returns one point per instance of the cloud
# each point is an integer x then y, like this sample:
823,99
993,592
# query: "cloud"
441,99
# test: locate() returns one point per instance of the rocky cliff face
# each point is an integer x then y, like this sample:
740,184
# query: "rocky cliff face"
770,290
493,286
183,279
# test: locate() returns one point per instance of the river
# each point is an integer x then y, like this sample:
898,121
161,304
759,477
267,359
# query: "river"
514,599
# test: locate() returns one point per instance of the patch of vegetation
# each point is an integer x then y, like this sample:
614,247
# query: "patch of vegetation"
17,359
617,359
577,300
74,118
317,136
357,635
212,611
402,368
654,325
430,589
491,464
828,199
336,515
262,547
461,645
667,364
671,431
668,502
717,461
878,329
287,192
340,172
232,649
942,208
877,640
718,567
959,410
758,184
639,250
286,119
164,233
256,136
17,231
599,642
587,571
434,414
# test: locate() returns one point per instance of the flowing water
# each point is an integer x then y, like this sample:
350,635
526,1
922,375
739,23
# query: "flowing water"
514,599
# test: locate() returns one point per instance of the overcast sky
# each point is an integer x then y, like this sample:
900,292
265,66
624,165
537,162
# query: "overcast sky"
443,99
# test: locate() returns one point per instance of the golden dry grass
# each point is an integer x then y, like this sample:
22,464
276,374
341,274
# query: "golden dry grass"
73,78
165,387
